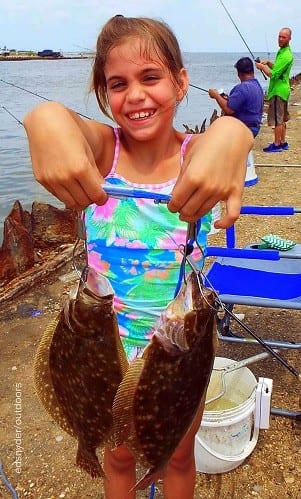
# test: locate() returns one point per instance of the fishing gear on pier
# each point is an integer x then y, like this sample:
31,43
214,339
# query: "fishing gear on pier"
234,24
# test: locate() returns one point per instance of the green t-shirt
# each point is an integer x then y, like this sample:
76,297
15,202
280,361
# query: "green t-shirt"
280,74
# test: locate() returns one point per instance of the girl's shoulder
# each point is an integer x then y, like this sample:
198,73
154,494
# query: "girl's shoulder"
103,144
102,130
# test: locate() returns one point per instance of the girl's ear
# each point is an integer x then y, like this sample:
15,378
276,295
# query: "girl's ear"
183,84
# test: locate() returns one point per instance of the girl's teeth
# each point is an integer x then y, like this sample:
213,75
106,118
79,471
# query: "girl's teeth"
143,114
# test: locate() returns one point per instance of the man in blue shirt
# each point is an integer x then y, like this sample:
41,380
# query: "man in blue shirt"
245,101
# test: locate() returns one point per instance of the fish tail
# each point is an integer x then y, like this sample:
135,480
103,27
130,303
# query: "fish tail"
151,476
123,401
87,460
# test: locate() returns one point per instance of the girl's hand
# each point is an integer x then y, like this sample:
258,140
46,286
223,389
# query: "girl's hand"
62,158
214,170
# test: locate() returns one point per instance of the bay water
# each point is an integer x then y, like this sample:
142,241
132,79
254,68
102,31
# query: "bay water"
67,81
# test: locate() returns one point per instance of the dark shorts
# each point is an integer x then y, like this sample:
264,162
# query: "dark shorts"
255,130
277,112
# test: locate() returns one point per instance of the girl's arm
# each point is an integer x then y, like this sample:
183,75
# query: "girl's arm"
214,170
64,150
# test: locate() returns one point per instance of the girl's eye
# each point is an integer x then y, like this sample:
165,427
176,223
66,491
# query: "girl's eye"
117,85
151,78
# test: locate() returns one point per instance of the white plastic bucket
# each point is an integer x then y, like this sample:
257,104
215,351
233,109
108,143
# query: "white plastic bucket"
226,436
251,175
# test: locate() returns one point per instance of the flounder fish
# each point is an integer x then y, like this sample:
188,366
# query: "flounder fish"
161,392
78,366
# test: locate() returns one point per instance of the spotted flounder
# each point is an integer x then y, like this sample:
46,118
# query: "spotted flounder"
161,392
78,366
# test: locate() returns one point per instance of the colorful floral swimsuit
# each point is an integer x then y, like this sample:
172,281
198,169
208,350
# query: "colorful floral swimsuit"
134,242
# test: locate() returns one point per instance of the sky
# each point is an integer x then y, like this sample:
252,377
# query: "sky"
200,26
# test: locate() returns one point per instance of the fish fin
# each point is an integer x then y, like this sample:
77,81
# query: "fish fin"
87,460
123,361
123,402
110,441
122,358
42,379
215,339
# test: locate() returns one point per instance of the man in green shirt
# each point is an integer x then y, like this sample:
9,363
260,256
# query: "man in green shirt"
279,90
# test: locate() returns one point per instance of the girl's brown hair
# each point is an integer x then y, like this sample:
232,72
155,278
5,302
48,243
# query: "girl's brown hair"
156,35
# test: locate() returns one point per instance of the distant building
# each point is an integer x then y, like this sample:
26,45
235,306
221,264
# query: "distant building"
4,52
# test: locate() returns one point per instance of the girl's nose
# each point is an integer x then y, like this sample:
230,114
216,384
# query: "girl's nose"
135,92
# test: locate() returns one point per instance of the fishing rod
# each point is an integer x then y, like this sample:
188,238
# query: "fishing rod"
36,95
199,88
232,20
221,91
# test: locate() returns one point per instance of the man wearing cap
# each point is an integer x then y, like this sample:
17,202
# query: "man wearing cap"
245,101
279,90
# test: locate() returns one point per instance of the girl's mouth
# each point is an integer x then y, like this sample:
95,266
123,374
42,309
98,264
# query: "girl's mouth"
139,115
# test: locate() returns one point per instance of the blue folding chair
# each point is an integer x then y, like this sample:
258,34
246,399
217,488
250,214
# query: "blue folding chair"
256,277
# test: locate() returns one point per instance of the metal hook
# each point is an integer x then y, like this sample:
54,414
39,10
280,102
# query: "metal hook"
81,236
191,237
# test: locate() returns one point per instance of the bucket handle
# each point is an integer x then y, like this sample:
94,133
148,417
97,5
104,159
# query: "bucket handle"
245,453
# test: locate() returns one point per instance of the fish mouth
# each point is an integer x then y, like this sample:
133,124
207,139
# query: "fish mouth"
94,284
170,329
183,322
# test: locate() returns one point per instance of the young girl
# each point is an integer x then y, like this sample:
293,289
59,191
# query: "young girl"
139,78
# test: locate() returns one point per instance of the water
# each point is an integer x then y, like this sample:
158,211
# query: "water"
67,81
221,404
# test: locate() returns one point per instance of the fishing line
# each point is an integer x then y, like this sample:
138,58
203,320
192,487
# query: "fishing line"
7,483
263,343
12,115
232,20
37,95
50,100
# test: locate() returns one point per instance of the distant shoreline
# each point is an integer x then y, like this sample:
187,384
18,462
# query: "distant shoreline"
38,58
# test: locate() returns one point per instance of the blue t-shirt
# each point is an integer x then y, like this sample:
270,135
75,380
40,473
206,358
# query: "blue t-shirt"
246,100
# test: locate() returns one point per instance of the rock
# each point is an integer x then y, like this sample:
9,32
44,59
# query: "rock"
31,238
17,250
53,226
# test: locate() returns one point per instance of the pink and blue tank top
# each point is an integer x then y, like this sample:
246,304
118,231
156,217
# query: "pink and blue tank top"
135,244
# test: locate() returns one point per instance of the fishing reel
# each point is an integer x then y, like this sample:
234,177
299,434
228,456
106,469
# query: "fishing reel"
222,93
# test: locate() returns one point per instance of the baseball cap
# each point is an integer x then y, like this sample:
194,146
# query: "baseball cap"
244,65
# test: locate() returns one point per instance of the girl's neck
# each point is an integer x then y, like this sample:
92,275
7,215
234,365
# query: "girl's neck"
155,161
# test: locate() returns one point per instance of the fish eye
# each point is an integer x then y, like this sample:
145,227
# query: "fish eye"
95,309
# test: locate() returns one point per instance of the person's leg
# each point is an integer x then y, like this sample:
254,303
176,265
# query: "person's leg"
278,133
179,480
120,469
283,133
286,117
275,118
279,120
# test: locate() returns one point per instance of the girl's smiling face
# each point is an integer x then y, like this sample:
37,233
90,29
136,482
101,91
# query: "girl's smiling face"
141,91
